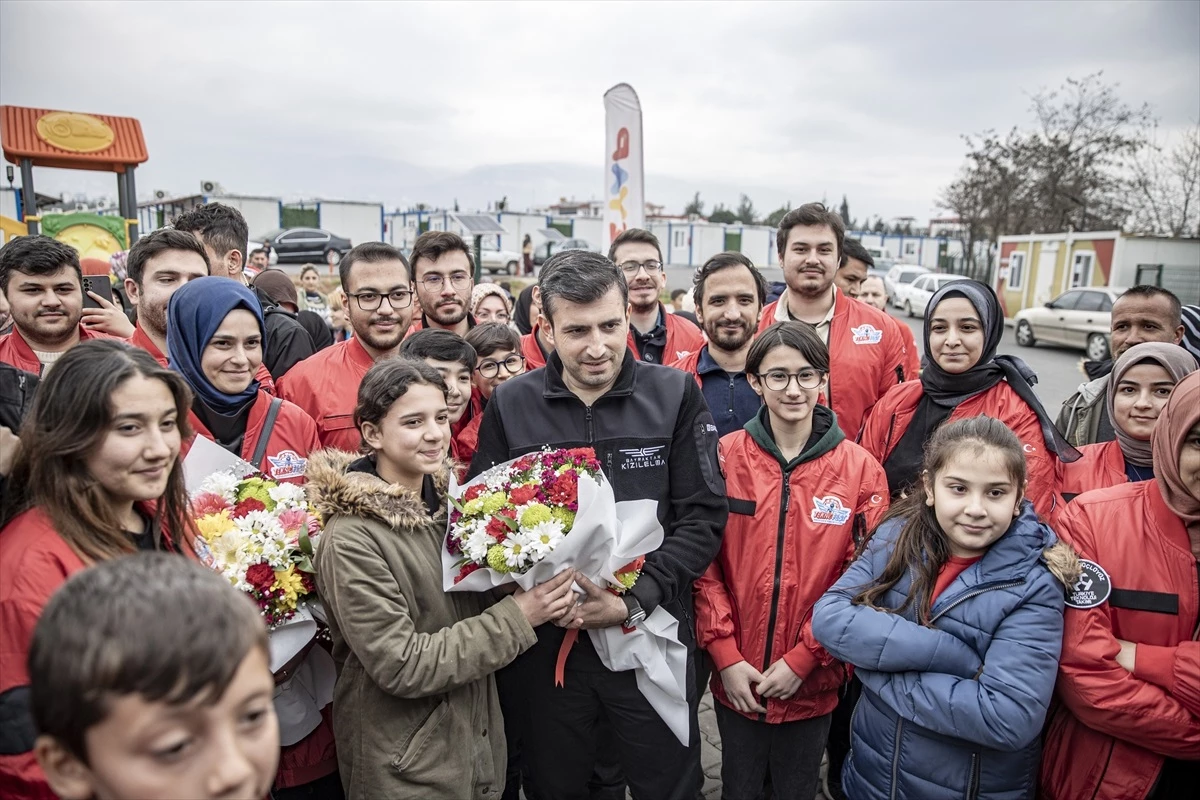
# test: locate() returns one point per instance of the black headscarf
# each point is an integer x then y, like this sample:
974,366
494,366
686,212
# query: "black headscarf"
943,391
521,314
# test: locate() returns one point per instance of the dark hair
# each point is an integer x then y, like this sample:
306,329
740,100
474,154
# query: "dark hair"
432,245
255,252
156,625
853,248
725,261
222,227
307,268
1150,292
36,255
579,276
677,293
812,214
492,336
72,413
387,382
155,244
922,548
369,253
440,345
639,235
797,335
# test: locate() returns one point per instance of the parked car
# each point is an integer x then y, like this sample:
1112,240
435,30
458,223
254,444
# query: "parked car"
494,260
900,275
916,294
547,249
1078,318
298,245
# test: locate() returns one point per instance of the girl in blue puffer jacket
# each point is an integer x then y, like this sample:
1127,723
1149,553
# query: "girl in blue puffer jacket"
953,619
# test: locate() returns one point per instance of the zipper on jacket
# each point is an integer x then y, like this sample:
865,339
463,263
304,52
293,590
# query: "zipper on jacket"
973,780
981,590
784,502
887,445
896,756
588,423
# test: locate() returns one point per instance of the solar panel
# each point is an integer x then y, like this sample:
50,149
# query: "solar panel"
553,234
479,224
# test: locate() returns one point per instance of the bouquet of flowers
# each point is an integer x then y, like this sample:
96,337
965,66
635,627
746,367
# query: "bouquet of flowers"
258,534
526,520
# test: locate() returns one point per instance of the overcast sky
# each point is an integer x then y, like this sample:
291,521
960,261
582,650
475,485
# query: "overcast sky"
413,102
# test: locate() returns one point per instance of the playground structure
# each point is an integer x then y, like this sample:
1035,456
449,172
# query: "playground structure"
38,137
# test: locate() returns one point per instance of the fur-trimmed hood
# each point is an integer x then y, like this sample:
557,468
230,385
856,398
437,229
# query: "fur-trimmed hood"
333,488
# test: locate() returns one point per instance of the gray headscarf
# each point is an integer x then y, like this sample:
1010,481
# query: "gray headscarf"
1178,363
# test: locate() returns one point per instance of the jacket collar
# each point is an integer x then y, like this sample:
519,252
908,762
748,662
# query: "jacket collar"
825,436
554,387
1017,551
340,483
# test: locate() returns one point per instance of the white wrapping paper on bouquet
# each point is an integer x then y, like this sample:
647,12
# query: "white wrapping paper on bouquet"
299,699
606,536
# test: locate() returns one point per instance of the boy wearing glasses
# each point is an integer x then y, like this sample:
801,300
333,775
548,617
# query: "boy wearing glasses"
443,276
655,336
379,295
498,348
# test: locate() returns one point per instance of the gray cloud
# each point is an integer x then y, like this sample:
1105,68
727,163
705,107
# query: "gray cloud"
410,102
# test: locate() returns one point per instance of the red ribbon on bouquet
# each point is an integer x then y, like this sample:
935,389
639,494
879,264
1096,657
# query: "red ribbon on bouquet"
560,664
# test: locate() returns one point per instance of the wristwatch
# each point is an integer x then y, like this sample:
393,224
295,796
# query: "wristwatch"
636,612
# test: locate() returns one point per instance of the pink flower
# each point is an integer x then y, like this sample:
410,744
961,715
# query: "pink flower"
209,503
293,520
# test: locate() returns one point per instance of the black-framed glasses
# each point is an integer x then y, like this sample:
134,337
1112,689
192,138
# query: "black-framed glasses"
369,301
630,268
777,380
513,365
435,281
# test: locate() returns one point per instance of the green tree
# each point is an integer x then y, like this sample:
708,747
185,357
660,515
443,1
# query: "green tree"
879,227
844,211
745,211
695,207
775,218
722,214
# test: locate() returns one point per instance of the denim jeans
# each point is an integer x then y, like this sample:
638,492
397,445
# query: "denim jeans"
790,751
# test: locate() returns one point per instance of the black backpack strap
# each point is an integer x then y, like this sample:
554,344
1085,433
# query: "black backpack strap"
264,436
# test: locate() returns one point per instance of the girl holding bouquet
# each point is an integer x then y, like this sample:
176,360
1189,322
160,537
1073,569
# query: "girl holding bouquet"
97,476
953,620
215,337
415,707
801,498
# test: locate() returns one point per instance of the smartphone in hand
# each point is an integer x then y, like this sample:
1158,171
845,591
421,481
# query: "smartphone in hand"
97,284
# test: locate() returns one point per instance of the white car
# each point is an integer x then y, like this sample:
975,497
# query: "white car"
1077,318
915,296
900,275
494,260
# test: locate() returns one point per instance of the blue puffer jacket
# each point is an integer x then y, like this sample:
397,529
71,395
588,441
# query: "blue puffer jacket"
953,711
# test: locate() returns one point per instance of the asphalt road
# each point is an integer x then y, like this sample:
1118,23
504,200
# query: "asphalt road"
1058,369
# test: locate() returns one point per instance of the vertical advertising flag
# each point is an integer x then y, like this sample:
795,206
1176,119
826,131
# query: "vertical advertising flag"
624,187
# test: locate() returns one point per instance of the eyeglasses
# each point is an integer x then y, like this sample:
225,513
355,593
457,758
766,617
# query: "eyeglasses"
777,380
435,282
631,268
369,301
513,365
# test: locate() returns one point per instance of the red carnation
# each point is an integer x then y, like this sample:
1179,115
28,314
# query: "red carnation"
497,528
261,577
473,491
564,488
523,494
246,506
465,571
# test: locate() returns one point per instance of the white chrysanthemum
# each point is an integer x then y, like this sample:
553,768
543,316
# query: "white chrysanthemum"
544,537
262,522
517,550
287,495
476,543
221,483
225,548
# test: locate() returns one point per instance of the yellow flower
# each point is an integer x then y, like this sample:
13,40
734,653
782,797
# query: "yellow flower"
535,514
213,526
288,582
494,502
496,559
473,507
564,515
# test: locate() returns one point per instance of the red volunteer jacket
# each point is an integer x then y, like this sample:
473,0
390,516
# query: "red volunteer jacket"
895,411
1101,467
15,351
531,348
1108,738
912,353
325,386
867,356
690,363
292,439
787,559
140,339
682,338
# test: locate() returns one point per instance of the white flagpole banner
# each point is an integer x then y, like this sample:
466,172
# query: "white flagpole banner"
624,180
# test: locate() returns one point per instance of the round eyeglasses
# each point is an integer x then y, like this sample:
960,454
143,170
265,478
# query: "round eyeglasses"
777,380
369,301
631,268
513,365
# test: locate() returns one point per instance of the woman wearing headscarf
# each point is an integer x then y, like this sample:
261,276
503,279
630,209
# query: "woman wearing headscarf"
490,303
215,341
521,314
1142,380
1128,724
965,378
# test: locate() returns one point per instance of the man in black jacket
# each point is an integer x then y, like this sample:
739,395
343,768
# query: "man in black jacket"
17,389
655,438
